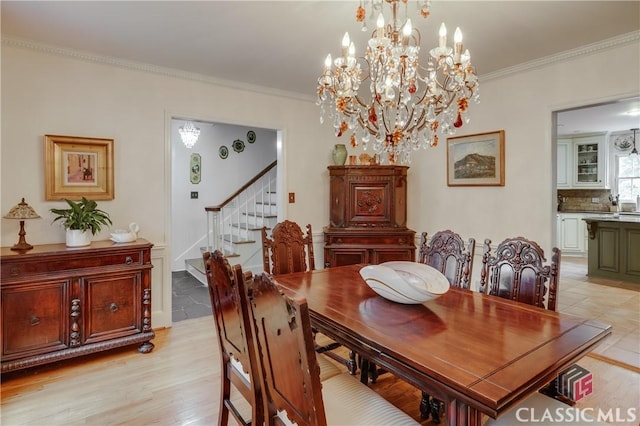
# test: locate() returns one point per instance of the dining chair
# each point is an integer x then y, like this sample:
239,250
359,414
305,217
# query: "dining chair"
293,392
234,332
233,328
448,253
517,271
288,250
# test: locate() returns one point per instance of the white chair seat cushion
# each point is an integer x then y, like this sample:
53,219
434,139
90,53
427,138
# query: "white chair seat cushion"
349,402
543,410
327,368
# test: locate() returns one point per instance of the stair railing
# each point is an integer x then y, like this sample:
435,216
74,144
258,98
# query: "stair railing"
239,208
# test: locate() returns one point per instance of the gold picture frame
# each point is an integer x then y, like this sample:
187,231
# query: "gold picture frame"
476,160
76,167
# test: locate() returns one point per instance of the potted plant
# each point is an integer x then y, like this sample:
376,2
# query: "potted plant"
80,218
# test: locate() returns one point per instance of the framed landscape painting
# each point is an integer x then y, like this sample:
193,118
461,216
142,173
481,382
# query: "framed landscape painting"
476,160
76,167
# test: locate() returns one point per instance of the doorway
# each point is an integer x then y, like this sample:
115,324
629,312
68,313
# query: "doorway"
227,156
606,121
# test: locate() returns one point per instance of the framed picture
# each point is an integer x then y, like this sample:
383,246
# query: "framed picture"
76,167
195,168
476,160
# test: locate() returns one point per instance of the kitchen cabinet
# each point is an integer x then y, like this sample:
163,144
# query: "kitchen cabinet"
582,162
614,247
589,162
368,215
565,163
59,302
572,234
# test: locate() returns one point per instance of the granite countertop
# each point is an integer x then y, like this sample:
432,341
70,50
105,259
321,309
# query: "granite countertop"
613,217
601,213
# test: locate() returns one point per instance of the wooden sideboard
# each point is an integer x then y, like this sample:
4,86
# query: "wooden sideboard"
368,216
59,302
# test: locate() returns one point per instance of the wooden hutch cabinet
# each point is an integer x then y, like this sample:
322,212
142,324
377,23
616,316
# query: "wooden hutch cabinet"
368,216
59,302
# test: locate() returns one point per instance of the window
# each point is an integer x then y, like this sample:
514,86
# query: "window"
628,176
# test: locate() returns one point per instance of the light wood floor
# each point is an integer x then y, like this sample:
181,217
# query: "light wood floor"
178,383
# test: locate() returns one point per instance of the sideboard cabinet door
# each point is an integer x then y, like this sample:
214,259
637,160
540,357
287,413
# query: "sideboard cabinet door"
114,303
34,319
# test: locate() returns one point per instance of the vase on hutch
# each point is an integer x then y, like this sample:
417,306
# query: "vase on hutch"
339,154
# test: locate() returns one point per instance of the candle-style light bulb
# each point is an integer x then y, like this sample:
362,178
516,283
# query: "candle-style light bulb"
327,62
406,32
457,38
352,50
443,35
345,44
380,25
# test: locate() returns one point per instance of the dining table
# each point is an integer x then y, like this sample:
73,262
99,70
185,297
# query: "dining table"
477,353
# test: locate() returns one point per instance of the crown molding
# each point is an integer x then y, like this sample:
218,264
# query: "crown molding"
171,72
148,68
564,56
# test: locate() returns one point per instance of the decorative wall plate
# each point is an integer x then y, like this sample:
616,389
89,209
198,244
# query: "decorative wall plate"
223,152
196,168
238,145
251,136
623,143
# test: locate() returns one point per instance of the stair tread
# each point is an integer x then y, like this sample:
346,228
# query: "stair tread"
227,253
256,214
247,227
236,240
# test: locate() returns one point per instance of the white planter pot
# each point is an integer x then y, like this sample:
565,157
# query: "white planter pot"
77,238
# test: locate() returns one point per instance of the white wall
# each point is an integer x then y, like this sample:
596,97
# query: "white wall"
220,178
45,92
48,93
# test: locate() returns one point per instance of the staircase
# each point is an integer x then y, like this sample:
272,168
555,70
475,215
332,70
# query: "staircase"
234,226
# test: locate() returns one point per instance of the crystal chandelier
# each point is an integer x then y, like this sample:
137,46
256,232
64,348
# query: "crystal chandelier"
409,106
189,134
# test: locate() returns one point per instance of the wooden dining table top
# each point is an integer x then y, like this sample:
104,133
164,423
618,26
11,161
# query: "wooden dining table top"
481,351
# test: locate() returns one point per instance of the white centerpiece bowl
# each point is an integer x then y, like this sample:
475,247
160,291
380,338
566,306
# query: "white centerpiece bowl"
405,282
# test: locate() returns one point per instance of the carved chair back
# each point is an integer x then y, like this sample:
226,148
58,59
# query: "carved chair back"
517,271
447,253
235,340
291,375
288,250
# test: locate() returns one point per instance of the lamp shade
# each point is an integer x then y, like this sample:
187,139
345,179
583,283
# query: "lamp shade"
22,211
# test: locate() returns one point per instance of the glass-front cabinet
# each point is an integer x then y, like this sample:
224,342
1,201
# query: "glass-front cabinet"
589,162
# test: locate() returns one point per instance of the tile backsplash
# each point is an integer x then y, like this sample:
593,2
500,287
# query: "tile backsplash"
584,200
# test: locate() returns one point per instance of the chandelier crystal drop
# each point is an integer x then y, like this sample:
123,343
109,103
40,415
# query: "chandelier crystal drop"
407,106
189,134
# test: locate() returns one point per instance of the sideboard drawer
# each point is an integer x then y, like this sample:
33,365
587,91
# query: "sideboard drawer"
66,263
